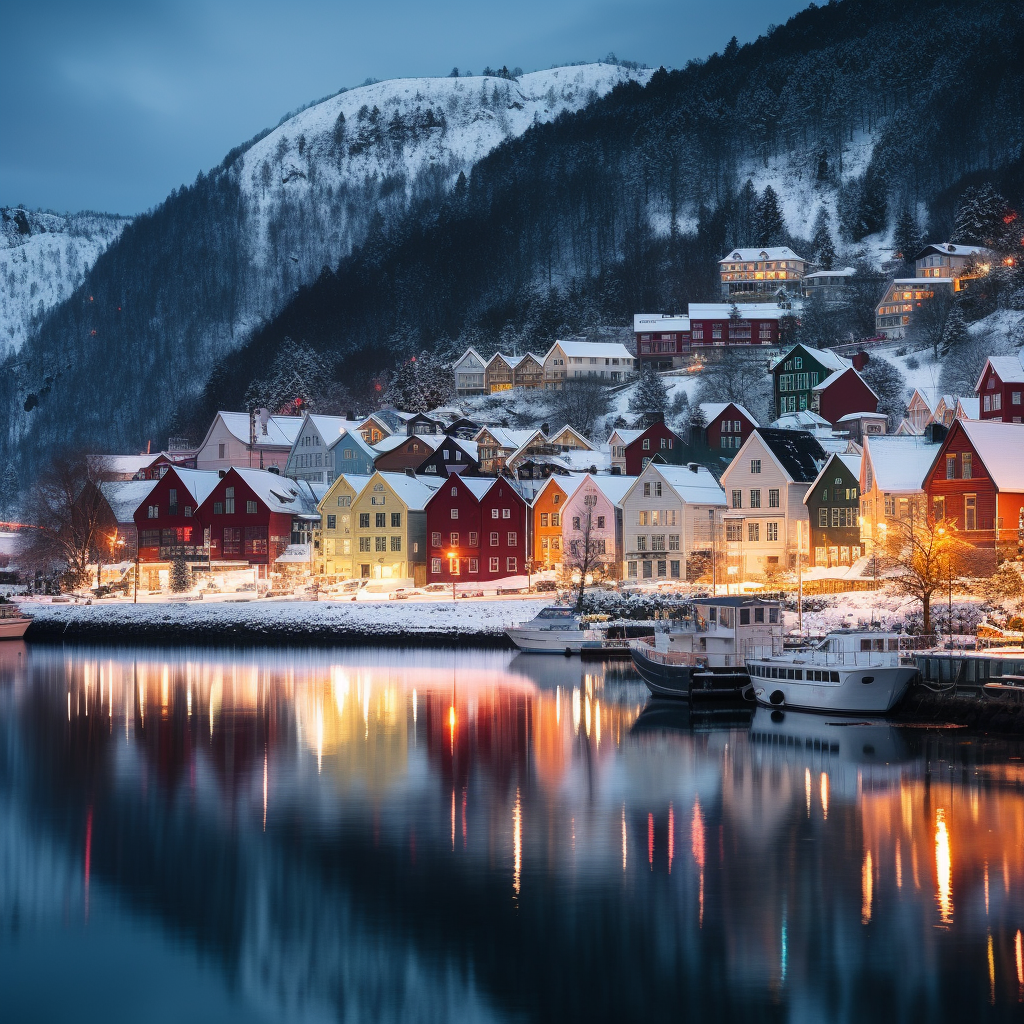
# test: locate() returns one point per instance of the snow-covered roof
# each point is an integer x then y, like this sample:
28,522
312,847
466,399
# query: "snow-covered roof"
478,485
389,444
278,493
694,488
625,436
614,488
835,375
120,464
899,462
970,407
198,482
125,496
581,459
999,446
567,483
836,445
357,481
470,352
851,462
952,249
748,311
506,438
593,350
643,323
805,419
584,442
774,252
281,430
331,427
294,554
845,272
830,360
1008,369
920,282
413,491
355,438
712,410
852,417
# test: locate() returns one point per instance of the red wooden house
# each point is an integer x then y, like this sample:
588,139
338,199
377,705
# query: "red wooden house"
401,452
1000,389
977,480
727,426
842,392
476,529
168,522
252,515
657,439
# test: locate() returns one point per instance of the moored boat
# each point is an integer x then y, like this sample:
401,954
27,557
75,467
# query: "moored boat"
863,672
13,622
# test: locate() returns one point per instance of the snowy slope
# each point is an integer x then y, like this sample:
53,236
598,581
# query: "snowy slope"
314,185
43,258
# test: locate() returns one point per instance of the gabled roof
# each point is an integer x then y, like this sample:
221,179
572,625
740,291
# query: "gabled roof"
198,482
584,443
796,451
511,361
581,459
592,349
567,483
852,417
830,360
850,462
712,410
413,491
521,450
803,419
1007,368
748,311
357,481
836,374
506,438
125,496
1000,447
951,249
645,322
693,488
278,493
381,420
968,408
614,488
470,351
899,462
355,438
394,441
331,427
625,436
281,430
774,252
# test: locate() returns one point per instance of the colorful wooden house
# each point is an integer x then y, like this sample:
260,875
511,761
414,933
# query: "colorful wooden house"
336,557
833,511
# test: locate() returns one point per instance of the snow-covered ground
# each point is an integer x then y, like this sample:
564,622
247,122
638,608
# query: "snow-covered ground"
43,258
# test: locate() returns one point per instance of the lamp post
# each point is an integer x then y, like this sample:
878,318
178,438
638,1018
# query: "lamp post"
453,561
949,574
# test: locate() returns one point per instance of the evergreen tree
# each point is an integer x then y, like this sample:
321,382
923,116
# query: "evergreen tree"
180,575
9,491
980,217
649,397
769,227
954,335
746,215
734,312
906,239
871,210
823,249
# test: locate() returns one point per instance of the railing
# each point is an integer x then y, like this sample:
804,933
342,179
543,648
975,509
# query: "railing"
680,658
902,654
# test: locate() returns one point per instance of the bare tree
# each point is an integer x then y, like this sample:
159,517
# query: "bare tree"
740,378
580,403
928,556
928,323
585,555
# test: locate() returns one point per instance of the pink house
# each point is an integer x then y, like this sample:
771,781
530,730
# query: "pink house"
599,499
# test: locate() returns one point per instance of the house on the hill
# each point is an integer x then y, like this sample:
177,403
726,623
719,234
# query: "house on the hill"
999,389
750,274
400,452
657,439
977,481
841,392
833,510
470,373
726,426
254,441
798,372
576,360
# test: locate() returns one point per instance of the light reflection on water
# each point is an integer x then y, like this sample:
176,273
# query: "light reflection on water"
316,835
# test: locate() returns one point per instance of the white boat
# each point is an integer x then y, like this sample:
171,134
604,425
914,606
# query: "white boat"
861,672
556,629
13,624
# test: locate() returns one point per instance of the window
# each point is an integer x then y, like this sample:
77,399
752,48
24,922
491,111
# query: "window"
664,443
435,539
454,566
455,513
647,444
149,539
494,513
939,508
997,400
988,402
755,497
494,539
396,543
453,540
435,565
673,567
835,518
255,540
474,565
822,518
600,522
188,511
220,451
218,508
510,565
344,501
229,501
380,544
474,540
771,532
753,531
734,530
950,467
575,522
737,499
657,488
506,513
673,542
512,540
364,543
966,458
773,497
232,540
744,616
493,564
641,542
970,512
556,519
332,522
543,519
380,520
647,490
648,570
153,512
1014,398
172,501
250,508
755,465
658,542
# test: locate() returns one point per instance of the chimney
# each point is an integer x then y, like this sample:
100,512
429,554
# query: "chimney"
410,472
860,360
264,420
545,429
693,467
350,415
221,473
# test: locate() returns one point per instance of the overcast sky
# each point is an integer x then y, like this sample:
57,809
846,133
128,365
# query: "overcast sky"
109,105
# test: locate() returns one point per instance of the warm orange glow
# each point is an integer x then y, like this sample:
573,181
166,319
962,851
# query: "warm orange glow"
1019,950
623,837
451,728
943,867
986,888
697,845
517,842
671,837
867,888
991,972
824,795
899,867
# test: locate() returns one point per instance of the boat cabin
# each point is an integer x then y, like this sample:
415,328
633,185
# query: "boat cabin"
724,628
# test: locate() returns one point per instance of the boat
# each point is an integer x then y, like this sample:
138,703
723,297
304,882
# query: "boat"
702,658
861,672
559,629
13,623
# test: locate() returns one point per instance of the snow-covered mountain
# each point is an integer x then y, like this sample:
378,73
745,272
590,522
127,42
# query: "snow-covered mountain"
315,184
43,258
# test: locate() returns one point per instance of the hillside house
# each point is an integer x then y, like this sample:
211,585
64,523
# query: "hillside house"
389,524
573,360
470,374
314,450
336,557
668,522
892,473
751,274
399,452
977,481
256,441
376,427
593,510
828,285
726,427
718,324
168,521
841,392
858,425
619,438
999,389
657,439
351,455
450,456
833,510
764,487
662,340
797,372
496,444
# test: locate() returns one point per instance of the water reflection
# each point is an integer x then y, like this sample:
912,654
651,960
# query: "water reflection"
365,835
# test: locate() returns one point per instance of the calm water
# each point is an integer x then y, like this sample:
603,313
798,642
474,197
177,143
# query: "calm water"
382,836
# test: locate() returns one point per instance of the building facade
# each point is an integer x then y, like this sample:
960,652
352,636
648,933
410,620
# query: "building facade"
546,515
751,274
892,473
798,372
657,439
470,373
833,511
727,426
593,515
999,389
337,530
389,528
168,523
573,360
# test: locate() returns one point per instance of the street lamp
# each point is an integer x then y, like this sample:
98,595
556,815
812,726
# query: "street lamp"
941,531
453,563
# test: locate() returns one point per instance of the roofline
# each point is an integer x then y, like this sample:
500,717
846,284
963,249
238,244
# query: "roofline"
821,473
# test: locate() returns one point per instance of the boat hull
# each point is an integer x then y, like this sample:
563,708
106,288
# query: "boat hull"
14,628
860,691
550,641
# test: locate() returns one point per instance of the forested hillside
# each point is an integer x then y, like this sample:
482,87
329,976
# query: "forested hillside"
854,124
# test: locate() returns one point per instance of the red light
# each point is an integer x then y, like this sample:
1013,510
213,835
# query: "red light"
92,333
90,298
